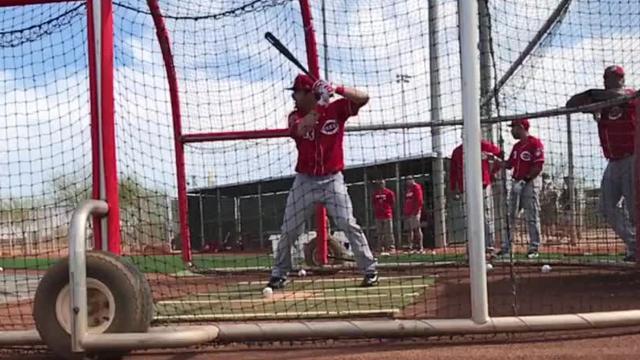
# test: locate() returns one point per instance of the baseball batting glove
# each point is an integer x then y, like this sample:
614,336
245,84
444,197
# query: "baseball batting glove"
323,91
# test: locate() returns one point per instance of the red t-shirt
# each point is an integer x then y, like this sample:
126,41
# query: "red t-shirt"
616,129
524,155
320,151
456,173
383,202
413,200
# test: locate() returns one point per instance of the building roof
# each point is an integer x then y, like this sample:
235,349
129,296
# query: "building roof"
416,165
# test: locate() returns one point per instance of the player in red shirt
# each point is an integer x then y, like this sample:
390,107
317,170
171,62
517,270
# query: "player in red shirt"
384,200
317,126
490,153
616,129
526,161
413,201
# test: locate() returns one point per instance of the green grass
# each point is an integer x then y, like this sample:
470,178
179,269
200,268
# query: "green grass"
170,264
304,296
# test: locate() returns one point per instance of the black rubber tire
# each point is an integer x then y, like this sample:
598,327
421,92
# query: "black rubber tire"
336,252
131,294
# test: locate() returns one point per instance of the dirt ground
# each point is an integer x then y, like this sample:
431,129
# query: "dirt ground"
620,344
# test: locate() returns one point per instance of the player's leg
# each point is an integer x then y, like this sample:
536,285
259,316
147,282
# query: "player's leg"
418,234
488,219
339,207
628,191
512,211
389,241
610,195
298,208
531,206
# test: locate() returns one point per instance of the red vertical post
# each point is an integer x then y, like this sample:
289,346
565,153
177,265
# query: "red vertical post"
314,69
96,172
636,182
106,103
165,47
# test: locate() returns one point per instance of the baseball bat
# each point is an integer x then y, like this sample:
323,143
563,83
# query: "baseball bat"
284,51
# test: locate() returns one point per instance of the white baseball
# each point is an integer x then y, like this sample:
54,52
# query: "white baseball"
302,273
489,267
267,292
545,268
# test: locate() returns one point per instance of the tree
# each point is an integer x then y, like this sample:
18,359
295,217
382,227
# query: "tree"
143,211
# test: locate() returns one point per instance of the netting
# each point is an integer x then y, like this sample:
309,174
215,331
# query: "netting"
45,149
231,79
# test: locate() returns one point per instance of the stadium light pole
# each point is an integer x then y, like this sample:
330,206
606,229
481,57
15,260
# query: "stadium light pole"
440,205
470,71
403,79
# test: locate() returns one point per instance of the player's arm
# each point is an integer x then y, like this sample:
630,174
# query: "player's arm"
591,96
419,199
506,164
538,162
493,150
358,97
307,123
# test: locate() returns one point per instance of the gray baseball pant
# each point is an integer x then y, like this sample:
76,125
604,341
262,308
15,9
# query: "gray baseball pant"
332,192
617,182
527,200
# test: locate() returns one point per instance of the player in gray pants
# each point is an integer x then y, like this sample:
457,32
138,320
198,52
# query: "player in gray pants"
332,192
526,162
317,126
617,183
616,129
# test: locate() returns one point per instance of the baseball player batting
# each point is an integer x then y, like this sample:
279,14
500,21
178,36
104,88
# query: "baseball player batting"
526,161
317,126
616,129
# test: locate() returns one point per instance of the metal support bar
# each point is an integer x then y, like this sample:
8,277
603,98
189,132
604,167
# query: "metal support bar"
470,79
78,268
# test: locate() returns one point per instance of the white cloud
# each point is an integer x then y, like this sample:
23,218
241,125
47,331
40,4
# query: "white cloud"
231,79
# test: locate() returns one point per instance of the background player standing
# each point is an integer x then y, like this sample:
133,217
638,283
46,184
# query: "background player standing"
616,129
490,152
526,161
383,201
413,201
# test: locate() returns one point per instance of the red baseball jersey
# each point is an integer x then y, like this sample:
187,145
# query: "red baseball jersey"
320,151
383,202
456,173
524,155
617,128
413,200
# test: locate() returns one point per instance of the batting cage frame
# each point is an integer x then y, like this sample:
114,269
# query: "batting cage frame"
100,270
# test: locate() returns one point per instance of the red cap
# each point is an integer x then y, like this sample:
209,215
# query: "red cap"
614,69
521,122
302,82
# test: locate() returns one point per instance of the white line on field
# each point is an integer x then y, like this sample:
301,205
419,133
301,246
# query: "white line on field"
292,298
272,315
368,289
323,280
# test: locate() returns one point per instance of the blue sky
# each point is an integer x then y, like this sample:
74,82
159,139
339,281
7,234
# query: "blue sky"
232,79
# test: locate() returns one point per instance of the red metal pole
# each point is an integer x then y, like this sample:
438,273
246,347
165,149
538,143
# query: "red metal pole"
636,183
95,125
314,69
108,125
235,135
33,2
165,46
